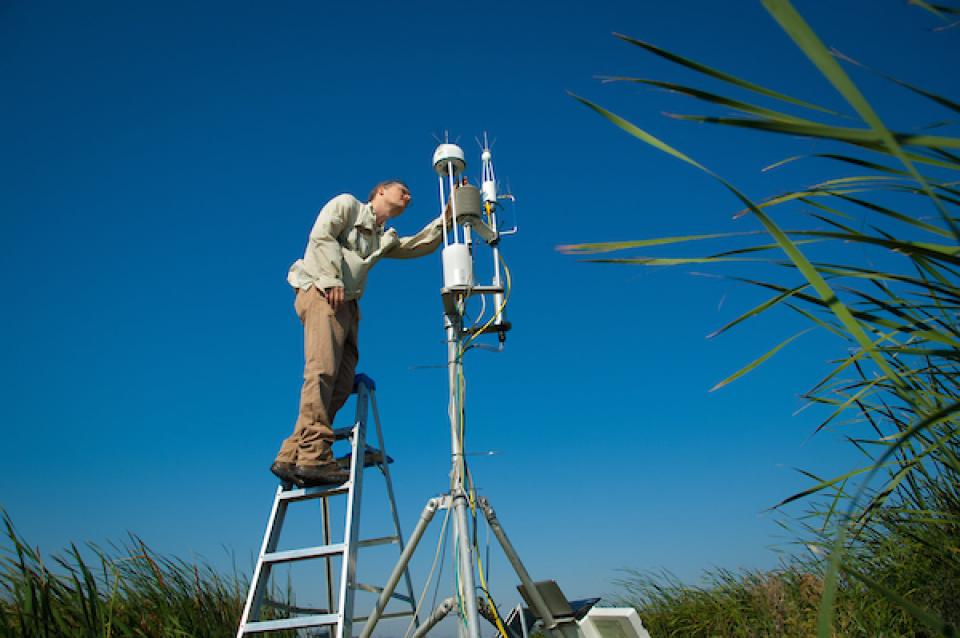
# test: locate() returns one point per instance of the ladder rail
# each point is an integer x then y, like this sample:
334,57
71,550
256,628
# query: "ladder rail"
328,560
261,572
352,527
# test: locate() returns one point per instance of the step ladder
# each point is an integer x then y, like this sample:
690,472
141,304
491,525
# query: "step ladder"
339,619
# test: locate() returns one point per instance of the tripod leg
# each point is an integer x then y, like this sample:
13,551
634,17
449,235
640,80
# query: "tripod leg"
439,614
425,517
549,622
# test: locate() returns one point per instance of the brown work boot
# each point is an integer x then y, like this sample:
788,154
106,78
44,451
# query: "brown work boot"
317,475
370,458
284,472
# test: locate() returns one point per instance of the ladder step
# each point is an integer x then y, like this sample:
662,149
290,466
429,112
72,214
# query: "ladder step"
304,493
290,623
304,553
393,614
383,540
294,609
371,457
373,589
343,433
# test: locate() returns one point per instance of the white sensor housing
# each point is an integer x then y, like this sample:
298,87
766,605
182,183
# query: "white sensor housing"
446,155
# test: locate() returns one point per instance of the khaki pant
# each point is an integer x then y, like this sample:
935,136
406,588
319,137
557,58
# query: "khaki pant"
330,355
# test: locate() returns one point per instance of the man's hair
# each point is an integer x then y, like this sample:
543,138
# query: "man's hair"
384,184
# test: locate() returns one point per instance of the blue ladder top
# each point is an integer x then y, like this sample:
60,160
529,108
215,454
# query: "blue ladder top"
365,380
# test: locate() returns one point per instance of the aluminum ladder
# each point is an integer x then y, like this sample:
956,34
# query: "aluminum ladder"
338,620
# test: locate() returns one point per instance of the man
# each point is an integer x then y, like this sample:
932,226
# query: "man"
347,239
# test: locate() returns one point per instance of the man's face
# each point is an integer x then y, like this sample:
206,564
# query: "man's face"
398,197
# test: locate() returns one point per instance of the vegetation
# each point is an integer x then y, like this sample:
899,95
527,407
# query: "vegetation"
128,592
777,603
871,256
782,602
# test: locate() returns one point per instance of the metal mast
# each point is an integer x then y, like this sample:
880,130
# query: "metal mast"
466,206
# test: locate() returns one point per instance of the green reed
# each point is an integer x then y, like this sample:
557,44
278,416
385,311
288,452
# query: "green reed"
869,255
129,590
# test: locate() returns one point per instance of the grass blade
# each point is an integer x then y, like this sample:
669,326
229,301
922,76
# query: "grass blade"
720,75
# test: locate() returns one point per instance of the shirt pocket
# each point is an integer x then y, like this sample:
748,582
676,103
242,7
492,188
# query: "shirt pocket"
362,239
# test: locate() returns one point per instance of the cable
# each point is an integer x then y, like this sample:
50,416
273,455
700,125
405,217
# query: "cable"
483,583
441,544
499,312
483,310
462,480
493,606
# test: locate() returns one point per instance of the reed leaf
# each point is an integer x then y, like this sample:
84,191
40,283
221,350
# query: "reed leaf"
902,378
801,262
713,98
605,247
939,99
936,624
937,10
720,75
797,28
756,310
867,138
759,360
847,159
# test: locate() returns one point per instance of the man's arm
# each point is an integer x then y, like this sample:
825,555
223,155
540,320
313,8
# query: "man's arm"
423,243
324,255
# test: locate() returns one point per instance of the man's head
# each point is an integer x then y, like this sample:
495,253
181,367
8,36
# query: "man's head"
389,199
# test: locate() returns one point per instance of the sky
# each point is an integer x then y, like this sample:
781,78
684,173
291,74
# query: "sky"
162,163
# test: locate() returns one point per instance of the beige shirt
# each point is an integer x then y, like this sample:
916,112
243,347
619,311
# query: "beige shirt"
346,242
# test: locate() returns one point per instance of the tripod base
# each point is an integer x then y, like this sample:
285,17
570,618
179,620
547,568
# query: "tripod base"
557,628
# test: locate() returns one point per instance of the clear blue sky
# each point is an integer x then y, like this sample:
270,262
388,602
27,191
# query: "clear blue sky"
162,163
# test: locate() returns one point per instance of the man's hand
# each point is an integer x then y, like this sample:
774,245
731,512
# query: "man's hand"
334,297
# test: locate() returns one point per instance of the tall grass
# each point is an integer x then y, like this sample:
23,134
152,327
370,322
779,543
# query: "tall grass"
871,256
781,602
785,602
128,591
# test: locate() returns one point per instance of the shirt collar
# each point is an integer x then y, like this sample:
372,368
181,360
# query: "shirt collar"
370,217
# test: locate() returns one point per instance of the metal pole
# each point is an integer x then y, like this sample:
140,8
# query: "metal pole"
439,614
461,529
549,622
453,407
467,587
425,517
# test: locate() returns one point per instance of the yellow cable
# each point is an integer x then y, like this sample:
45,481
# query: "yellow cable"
461,382
464,476
486,592
506,298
